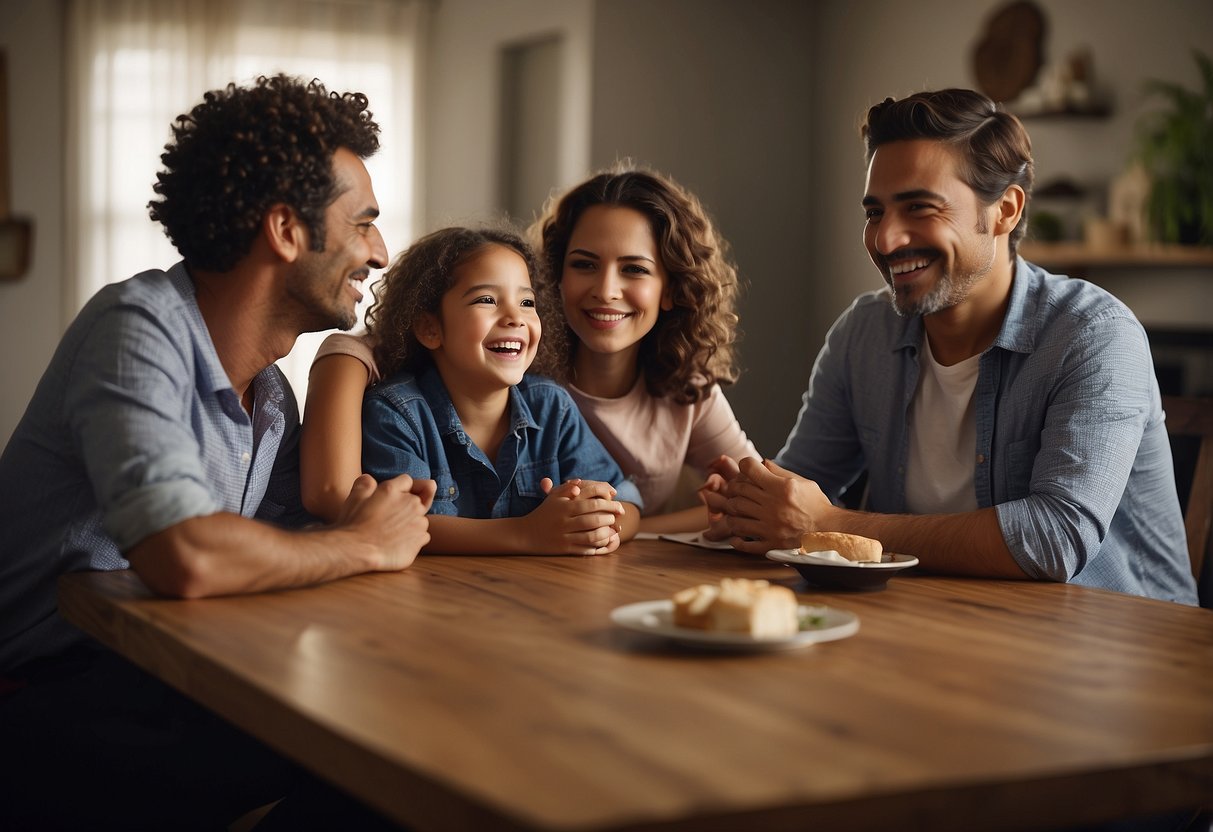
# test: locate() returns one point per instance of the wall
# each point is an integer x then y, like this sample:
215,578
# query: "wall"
31,35
463,82
730,120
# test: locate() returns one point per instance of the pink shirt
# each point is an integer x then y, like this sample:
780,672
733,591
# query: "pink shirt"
651,438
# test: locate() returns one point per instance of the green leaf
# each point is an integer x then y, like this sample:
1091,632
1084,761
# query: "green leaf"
1175,144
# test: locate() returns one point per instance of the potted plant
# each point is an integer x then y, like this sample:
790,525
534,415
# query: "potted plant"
1176,147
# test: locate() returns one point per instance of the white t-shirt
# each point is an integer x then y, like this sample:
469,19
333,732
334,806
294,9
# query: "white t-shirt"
651,438
943,437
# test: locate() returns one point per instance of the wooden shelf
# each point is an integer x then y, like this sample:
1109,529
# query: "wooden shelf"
1082,256
1094,111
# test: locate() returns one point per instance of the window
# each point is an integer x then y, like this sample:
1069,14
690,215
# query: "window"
138,64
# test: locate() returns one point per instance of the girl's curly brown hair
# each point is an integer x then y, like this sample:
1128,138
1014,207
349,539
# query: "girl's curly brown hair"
692,346
415,283
245,149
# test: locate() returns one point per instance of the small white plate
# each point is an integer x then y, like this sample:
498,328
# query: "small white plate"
657,618
887,561
697,539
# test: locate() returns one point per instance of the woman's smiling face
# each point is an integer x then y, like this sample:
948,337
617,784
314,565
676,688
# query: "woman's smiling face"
613,283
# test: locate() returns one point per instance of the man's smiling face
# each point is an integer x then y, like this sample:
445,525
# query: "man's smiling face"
925,228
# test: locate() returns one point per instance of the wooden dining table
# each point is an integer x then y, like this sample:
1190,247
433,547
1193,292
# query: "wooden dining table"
474,692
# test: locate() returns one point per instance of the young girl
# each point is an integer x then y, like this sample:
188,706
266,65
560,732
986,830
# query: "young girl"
456,324
649,302
649,298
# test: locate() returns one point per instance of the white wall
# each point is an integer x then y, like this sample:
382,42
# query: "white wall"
31,35
463,80
716,93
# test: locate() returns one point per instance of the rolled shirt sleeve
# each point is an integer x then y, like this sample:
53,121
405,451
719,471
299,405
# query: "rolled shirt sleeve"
124,400
134,427
1065,482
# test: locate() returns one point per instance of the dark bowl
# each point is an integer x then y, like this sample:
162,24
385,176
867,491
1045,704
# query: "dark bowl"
834,575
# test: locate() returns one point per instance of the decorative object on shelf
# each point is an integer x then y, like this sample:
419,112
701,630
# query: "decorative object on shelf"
1010,50
1102,233
1045,226
1127,197
1176,147
16,234
1064,89
1058,209
1008,64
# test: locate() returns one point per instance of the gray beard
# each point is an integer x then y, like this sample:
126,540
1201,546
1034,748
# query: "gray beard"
943,295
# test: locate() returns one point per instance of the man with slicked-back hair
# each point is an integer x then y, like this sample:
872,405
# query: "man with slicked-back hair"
1009,420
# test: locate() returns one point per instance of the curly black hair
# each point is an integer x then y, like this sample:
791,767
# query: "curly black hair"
415,283
692,346
245,149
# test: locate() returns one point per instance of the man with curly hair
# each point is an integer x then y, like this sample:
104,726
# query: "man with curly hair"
163,438
1009,420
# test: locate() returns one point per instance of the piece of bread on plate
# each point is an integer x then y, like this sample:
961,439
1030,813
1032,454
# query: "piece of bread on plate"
853,547
739,605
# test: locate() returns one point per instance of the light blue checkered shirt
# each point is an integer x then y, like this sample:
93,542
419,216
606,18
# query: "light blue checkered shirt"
1071,444
134,427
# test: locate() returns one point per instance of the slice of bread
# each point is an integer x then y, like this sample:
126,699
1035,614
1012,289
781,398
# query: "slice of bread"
739,605
691,606
850,546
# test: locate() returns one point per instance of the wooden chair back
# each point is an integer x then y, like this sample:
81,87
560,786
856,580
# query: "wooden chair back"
1190,416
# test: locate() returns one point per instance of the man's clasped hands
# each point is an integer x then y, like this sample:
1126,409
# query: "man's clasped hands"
758,506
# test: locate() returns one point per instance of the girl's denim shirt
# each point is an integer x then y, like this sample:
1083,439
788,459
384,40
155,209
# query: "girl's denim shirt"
409,426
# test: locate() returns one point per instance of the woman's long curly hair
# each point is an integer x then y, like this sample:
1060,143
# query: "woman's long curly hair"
245,149
692,346
416,282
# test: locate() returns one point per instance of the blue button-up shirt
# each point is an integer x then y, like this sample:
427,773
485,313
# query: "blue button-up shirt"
1071,447
133,428
409,426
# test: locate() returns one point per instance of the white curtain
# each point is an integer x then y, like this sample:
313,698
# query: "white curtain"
135,65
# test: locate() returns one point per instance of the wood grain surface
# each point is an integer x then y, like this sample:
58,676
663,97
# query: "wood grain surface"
493,693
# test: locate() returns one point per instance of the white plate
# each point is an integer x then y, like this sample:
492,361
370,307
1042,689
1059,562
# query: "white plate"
887,561
657,618
697,539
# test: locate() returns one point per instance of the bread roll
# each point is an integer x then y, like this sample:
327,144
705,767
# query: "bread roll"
850,546
691,606
739,605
